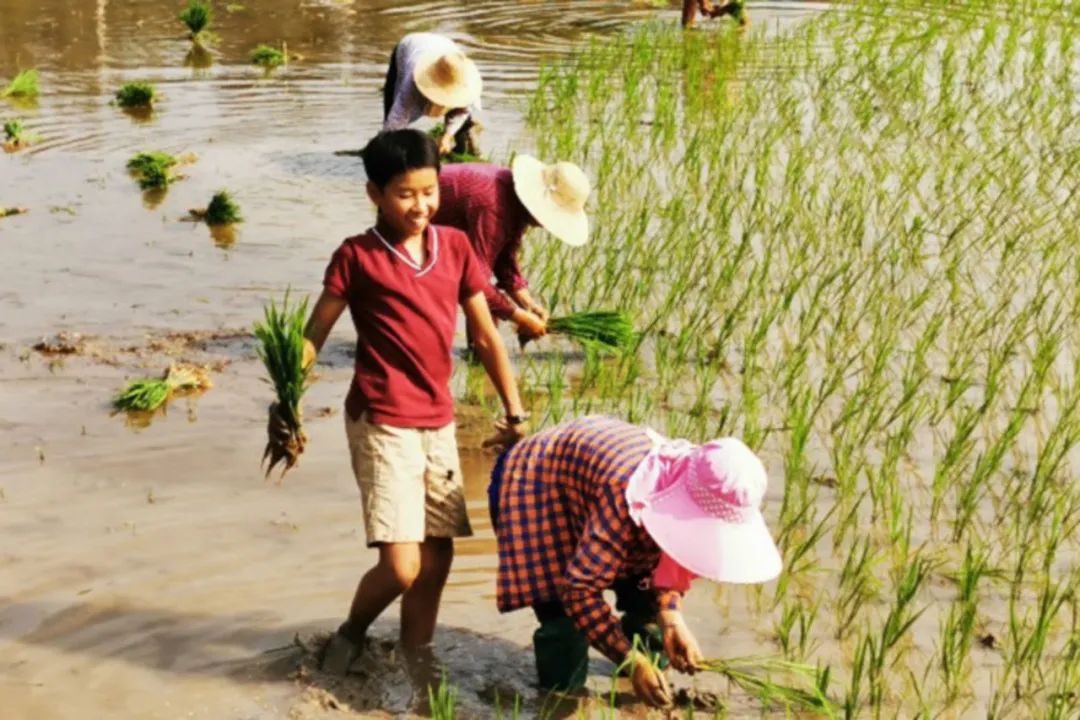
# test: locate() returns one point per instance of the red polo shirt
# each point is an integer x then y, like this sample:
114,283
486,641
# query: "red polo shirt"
479,198
405,319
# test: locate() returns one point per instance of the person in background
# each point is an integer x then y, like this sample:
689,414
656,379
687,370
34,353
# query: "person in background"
597,503
710,9
495,206
429,76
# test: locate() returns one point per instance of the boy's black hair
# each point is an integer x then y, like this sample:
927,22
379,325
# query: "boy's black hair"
393,152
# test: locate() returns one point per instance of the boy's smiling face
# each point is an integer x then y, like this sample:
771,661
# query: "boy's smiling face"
409,201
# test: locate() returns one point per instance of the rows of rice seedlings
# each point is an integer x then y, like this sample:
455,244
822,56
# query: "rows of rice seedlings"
853,245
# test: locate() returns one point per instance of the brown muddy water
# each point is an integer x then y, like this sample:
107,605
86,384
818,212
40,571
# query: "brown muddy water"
147,570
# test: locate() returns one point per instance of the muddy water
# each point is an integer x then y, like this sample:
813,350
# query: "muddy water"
151,572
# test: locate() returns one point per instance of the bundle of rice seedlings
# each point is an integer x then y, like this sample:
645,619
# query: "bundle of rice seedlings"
601,330
148,394
281,348
197,16
13,131
268,57
755,675
152,169
222,210
7,211
24,85
136,95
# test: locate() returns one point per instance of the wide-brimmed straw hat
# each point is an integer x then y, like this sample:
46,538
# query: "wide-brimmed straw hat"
709,520
448,79
555,196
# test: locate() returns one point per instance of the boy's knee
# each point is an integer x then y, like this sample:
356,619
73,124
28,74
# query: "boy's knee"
403,569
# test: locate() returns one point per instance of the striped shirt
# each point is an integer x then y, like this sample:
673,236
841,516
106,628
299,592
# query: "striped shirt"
479,199
564,530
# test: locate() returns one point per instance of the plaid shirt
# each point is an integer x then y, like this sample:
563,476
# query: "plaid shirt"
564,529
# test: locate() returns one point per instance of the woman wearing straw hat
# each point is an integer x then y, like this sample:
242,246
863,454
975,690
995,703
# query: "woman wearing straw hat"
596,504
495,206
430,76
735,9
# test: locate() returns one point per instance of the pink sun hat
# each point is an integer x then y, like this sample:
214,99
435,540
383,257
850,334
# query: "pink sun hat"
709,519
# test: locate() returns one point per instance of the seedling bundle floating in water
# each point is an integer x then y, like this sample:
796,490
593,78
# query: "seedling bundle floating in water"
197,17
153,169
16,137
222,210
136,95
281,348
24,85
268,57
148,394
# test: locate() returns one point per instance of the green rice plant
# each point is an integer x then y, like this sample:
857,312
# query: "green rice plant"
23,85
604,330
148,394
442,700
136,95
281,348
152,169
267,56
197,16
13,131
806,690
222,210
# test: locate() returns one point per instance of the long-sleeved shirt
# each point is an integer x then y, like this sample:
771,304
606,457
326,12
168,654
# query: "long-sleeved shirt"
479,199
409,103
564,529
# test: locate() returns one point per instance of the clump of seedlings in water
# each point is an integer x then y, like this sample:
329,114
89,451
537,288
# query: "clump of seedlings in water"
269,57
16,136
221,211
197,16
148,394
136,95
23,85
153,170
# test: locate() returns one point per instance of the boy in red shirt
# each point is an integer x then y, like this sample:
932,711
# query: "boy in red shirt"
402,281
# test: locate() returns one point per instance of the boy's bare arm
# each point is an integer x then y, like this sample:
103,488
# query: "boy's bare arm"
327,310
492,352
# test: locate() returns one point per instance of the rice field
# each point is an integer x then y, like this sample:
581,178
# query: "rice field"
855,247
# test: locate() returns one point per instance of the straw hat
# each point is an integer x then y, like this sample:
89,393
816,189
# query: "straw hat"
709,519
555,196
448,79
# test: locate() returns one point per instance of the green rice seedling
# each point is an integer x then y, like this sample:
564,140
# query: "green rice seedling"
281,348
222,210
267,56
197,16
23,85
806,689
136,95
153,169
9,211
442,700
604,330
13,131
148,394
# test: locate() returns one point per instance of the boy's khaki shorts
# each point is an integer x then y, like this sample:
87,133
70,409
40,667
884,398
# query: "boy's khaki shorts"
410,481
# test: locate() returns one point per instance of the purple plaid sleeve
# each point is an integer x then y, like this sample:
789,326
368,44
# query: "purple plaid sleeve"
601,554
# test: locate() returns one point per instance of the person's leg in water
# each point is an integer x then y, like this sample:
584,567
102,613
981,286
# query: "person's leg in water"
398,568
637,602
465,141
561,650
